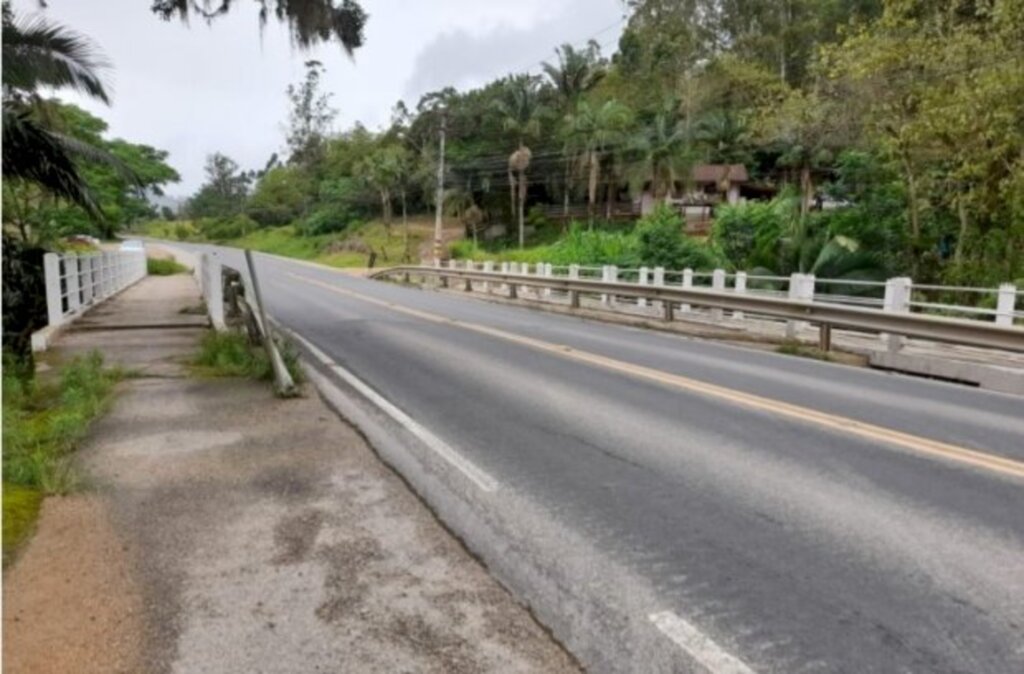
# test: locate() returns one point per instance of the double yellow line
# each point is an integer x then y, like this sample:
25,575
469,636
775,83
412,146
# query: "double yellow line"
860,429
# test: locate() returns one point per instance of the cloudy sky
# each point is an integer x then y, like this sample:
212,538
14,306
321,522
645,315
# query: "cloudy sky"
202,88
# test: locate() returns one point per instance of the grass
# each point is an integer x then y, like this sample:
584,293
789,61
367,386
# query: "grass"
229,354
43,422
164,267
20,508
349,248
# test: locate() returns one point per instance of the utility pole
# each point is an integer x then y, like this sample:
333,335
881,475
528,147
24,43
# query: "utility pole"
439,202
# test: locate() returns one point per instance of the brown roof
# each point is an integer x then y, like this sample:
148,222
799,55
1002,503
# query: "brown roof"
716,173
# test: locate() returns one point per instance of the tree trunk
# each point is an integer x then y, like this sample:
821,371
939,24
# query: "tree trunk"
512,194
912,211
522,207
806,190
609,197
961,210
565,197
405,229
592,187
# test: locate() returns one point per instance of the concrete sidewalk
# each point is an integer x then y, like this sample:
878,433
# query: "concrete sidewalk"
227,530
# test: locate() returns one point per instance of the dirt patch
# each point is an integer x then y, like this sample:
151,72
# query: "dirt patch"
70,602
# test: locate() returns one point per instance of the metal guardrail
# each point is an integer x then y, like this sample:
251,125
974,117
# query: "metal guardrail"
234,301
826,315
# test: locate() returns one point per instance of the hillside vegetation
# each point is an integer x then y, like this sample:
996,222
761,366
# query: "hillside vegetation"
866,140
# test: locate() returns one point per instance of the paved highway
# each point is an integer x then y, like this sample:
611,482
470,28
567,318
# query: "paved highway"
667,504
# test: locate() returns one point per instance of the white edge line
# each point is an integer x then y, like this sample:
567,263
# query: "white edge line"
476,475
698,645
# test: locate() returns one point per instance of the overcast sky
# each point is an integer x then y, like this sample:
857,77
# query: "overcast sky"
196,89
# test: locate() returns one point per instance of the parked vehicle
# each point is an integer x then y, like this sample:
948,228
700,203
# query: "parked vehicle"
132,245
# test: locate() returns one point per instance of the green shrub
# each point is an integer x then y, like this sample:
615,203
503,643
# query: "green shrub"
326,221
465,249
748,234
662,243
225,229
164,267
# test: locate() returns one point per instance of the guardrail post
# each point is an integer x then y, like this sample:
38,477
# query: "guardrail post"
741,289
897,298
718,284
796,292
71,279
1006,302
613,277
51,272
604,277
549,271
488,268
642,277
687,284
658,281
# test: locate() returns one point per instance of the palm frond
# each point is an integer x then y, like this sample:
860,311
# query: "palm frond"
34,154
38,53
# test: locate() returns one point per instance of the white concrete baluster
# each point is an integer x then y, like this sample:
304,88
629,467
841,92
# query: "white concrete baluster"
489,268
717,284
897,298
71,279
51,274
741,289
643,276
687,284
1006,302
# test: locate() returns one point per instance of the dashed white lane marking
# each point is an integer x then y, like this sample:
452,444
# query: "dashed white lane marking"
476,475
698,645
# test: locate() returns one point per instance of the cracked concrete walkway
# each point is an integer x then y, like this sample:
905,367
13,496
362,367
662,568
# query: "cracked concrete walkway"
230,531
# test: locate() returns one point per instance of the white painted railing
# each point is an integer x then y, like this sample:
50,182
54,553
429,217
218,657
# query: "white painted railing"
76,282
894,295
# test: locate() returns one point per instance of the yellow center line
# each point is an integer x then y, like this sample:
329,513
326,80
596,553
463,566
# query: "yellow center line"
861,429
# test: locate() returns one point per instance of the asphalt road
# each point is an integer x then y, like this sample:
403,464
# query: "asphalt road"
667,504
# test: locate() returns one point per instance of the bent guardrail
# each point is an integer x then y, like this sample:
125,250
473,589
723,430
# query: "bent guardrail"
826,315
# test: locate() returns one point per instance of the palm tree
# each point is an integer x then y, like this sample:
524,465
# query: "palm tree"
593,131
577,72
37,53
521,112
724,136
664,152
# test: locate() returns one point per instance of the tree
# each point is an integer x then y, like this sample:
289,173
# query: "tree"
310,119
223,194
280,196
521,111
41,216
593,131
664,152
577,72
37,53
310,22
